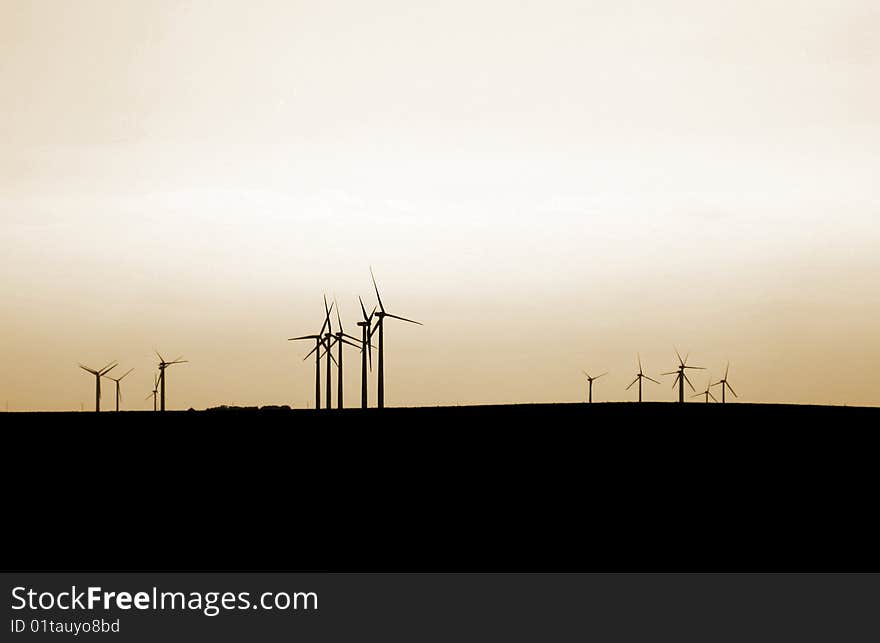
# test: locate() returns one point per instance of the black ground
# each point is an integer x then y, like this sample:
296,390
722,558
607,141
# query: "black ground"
526,487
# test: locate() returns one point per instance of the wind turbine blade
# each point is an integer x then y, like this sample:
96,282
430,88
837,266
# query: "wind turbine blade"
293,339
688,381
650,378
354,339
697,394
730,388
670,373
698,368
373,277
713,397
106,370
345,341
338,318
633,382
727,370
640,361
678,355
404,319
126,373
363,309
162,359
317,346
602,375
149,396
327,322
717,383
86,368
370,353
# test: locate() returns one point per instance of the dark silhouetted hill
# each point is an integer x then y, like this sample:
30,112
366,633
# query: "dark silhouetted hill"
523,487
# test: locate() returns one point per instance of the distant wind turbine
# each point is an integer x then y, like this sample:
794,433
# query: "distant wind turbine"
366,349
708,392
681,377
590,380
98,375
725,385
319,340
162,366
340,338
118,380
155,391
639,377
380,326
328,339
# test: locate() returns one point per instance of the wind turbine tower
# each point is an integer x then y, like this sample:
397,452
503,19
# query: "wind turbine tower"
98,375
639,377
381,314
162,366
725,385
681,376
118,380
590,380
366,349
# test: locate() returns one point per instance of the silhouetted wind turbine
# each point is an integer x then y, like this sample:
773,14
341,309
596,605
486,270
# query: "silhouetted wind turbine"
162,366
590,380
680,375
319,340
118,380
98,375
340,339
381,315
380,326
366,349
725,385
155,391
707,392
639,377
328,338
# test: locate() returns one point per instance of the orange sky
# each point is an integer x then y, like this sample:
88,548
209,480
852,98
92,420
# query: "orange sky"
549,187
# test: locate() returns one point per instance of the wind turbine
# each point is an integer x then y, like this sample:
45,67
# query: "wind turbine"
319,340
117,380
328,338
380,326
639,377
340,338
590,380
155,391
725,385
707,392
680,375
162,366
98,375
366,349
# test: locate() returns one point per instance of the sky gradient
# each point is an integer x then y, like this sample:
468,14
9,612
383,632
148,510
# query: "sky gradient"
548,186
